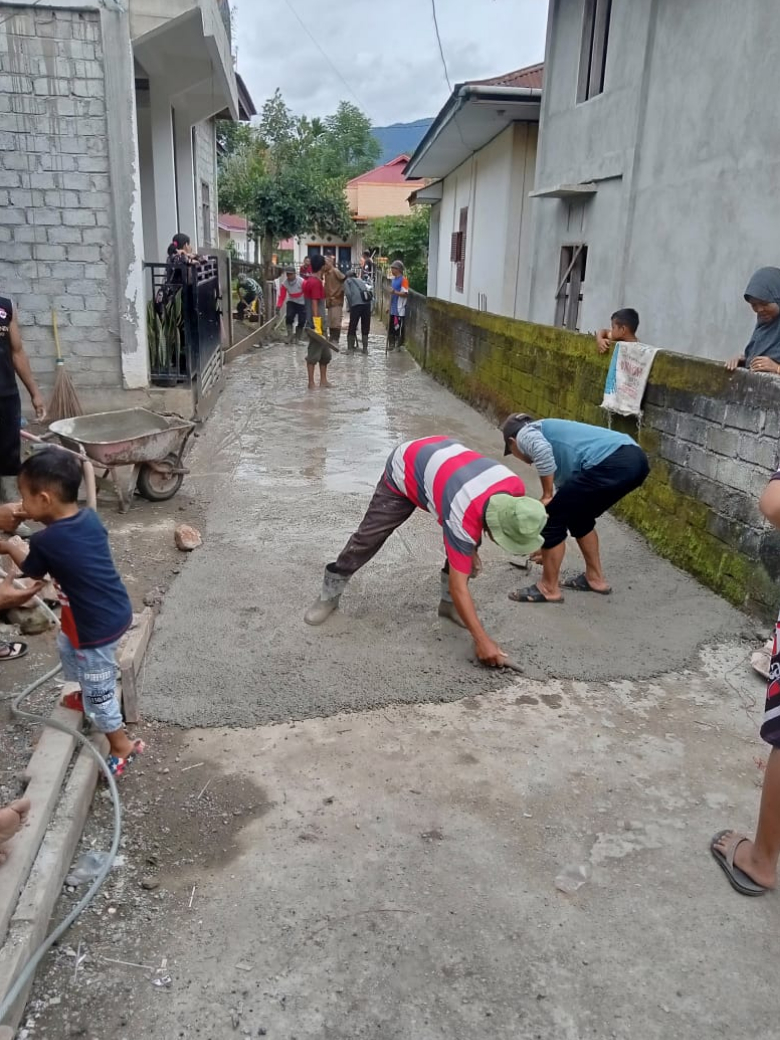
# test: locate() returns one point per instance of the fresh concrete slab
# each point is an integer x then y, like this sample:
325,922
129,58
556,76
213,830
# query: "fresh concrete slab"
288,474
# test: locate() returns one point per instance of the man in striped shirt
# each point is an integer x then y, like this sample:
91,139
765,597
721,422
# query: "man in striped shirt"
469,496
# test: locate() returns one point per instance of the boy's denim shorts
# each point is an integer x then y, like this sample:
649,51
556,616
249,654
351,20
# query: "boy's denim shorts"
94,668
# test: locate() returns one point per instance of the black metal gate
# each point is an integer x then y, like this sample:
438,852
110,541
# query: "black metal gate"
184,327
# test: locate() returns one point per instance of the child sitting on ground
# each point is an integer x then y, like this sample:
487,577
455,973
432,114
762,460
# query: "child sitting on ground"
96,610
624,325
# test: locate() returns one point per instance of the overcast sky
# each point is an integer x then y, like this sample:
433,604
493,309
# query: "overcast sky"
384,50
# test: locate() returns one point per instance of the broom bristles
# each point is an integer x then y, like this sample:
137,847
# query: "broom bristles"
64,402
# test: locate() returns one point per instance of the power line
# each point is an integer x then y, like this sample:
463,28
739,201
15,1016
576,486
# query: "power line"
441,49
316,43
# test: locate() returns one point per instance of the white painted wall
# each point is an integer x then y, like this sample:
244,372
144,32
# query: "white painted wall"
686,163
494,184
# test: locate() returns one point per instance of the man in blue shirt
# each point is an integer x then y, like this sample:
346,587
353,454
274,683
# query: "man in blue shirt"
584,471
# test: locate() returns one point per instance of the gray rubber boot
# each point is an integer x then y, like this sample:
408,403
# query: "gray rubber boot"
447,608
351,342
290,334
365,344
333,586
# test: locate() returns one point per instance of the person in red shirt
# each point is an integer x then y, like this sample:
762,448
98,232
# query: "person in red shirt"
314,296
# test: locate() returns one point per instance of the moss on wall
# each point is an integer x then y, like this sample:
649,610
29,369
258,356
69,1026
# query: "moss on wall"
501,365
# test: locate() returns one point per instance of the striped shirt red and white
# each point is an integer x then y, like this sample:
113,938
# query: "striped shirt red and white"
453,484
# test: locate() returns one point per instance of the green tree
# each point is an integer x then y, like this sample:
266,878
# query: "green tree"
404,238
347,146
287,174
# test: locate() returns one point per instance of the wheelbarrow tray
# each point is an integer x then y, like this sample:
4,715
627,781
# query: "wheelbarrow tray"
124,438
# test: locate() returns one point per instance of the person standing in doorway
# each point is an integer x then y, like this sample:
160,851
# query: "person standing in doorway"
13,362
334,298
291,294
314,294
358,294
399,292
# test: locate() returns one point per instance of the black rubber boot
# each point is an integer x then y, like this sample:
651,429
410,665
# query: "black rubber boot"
365,344
351,342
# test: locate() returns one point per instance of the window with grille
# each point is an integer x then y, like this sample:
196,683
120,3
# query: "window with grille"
571,278
458,249
593,53
205,202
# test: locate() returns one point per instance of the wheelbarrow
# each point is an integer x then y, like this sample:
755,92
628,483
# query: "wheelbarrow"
152,446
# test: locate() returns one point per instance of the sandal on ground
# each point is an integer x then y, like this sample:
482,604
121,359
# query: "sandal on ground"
581,584
12,651
532,594
737,878
118,766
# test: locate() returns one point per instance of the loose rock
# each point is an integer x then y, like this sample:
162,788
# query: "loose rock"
187,538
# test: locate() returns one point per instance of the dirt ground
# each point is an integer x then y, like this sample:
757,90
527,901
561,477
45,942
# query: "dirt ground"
148,560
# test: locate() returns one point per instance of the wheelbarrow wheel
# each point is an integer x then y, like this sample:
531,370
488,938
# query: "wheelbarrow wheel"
156,486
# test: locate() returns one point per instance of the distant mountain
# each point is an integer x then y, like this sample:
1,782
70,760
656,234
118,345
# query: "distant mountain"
400,138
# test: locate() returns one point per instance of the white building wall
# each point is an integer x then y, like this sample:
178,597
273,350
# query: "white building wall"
685,160
494,184
206,173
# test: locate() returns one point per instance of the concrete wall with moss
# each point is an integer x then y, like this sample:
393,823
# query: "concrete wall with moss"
712,436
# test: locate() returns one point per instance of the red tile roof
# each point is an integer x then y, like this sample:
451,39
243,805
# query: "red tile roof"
230,222
532,76
391,173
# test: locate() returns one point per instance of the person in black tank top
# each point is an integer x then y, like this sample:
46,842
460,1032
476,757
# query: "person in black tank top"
13,362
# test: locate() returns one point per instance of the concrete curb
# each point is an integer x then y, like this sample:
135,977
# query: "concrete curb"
31,920
41,854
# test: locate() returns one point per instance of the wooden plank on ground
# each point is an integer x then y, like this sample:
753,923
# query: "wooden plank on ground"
130,657
45,773
30,923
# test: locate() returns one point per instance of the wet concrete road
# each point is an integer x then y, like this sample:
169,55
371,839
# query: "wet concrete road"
288,474
400,882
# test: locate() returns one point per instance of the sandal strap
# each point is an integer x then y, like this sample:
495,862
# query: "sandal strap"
731,849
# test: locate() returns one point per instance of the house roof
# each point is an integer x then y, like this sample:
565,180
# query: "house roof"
531,76
474,114
389,173
231,222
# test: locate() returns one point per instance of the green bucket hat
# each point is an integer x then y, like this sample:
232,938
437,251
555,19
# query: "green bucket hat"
516,523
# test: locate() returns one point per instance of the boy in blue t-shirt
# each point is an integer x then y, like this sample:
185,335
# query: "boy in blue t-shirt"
96,610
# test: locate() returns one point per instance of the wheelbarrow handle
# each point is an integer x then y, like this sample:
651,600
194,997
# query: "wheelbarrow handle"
86,466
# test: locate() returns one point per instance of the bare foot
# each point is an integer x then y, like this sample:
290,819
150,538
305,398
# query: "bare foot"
326,385
749,861
12,818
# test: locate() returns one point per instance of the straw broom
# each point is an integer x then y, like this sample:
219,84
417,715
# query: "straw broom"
64,399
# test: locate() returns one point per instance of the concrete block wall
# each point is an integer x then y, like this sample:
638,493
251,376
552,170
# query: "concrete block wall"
712,436
55,192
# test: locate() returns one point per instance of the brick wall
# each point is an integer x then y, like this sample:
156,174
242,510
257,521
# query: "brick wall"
712,436
55,201
205,169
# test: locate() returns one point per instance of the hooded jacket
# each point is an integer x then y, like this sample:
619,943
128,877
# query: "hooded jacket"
765,341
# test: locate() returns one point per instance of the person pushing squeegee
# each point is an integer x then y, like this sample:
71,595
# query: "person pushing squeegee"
469,496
